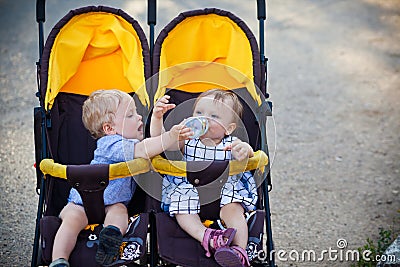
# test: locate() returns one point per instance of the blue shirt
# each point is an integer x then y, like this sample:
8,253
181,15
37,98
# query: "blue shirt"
113,149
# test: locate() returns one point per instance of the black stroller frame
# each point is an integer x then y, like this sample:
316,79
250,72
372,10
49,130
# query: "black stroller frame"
43,122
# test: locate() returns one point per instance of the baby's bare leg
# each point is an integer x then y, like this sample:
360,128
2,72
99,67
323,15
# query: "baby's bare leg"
73,221
232,215
117,215
192,225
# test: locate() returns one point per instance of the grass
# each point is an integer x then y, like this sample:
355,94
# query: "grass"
377,249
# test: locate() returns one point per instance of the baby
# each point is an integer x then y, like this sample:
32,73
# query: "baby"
111,117
239,193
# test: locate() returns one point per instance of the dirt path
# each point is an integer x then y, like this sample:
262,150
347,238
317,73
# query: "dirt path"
334,79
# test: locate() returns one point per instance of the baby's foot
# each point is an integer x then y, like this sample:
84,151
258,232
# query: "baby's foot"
214,239
110,238
234,256
59,263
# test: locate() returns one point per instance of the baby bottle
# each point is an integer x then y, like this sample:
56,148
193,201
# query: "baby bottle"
198,125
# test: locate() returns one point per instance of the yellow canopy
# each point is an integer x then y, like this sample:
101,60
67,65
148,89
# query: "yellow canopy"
203,52
96,50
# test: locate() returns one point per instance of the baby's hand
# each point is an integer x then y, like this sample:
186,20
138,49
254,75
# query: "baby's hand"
240,150
181,132
162,106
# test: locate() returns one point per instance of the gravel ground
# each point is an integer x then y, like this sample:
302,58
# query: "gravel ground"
334,80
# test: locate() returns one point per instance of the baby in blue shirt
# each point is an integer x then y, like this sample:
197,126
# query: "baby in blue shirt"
111,117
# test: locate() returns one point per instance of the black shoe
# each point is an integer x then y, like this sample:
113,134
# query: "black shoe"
110,239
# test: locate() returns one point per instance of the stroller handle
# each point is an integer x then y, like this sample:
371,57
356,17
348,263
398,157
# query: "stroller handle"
151,12
115,170
178,168
159,164
40,10
261,10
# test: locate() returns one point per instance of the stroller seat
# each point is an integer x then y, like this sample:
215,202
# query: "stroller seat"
175,245
90,181
198,51
90,48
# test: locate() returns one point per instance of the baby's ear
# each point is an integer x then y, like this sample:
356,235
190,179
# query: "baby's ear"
231,127
108,129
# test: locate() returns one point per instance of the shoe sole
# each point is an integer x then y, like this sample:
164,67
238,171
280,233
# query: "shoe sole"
108,247
226,257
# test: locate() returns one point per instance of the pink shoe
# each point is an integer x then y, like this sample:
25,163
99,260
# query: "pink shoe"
233,256
219,239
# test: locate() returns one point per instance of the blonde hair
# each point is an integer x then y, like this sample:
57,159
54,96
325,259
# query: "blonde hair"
100,108
222,95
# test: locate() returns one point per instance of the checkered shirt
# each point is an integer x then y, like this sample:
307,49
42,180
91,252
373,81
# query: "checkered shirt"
181,197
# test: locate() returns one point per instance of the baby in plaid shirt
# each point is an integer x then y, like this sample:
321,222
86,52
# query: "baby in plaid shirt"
238,195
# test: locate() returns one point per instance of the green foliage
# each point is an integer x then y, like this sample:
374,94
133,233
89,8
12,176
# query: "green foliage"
376,249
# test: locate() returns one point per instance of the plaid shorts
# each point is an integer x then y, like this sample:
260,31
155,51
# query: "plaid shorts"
179,196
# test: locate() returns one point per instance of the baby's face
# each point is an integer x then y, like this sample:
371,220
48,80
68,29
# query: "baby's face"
220,116
128,123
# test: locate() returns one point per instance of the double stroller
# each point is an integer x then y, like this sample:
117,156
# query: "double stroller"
98,47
